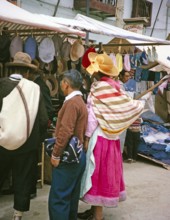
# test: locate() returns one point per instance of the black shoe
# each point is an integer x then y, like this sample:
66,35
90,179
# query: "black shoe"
86,214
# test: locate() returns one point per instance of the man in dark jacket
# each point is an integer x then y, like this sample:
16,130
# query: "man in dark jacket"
21,159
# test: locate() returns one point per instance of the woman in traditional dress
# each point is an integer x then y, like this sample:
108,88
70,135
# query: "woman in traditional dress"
110,112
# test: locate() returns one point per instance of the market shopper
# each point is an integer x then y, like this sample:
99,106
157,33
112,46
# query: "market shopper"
110,112
23,122
124,76
36,77
66,177
132,140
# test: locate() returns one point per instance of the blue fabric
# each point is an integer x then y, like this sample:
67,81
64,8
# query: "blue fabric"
138,73
65,190
157,79
167,140
167,149
161,155
130,85
160,128
149,115
132,61
158,147
145,75
143,58
30,47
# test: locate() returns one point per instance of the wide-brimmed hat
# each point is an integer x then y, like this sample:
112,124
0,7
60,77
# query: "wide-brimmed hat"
101,63
77,50
23,60
52,84
46,50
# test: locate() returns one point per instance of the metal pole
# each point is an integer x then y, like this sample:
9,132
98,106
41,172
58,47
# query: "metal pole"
156,18
87,14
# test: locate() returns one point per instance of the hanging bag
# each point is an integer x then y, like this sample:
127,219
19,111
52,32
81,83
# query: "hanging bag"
72,152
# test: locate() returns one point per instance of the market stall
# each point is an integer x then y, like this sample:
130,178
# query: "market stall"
63,38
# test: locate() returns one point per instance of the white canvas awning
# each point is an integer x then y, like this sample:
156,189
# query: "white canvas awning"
11,13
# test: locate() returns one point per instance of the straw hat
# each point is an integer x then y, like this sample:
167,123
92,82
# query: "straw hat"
52,84
23,60
77,50
102,63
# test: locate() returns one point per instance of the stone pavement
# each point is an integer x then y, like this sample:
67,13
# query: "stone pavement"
148,196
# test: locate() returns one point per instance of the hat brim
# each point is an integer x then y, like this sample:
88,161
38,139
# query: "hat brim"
93,67
79,54
52,84
11,64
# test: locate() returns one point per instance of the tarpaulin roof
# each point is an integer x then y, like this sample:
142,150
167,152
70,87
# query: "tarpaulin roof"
14,14
84,23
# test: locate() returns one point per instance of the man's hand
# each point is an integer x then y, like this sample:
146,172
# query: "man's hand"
86,143
55,162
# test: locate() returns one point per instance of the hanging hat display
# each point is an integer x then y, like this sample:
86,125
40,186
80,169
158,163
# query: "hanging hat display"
65,50
58,41
52,84
46,50
4,47
16,46
77,50
30,47
85,59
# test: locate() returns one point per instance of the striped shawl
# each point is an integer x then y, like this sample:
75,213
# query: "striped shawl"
113,108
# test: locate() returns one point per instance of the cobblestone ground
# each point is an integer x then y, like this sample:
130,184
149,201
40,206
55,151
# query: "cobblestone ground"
148,196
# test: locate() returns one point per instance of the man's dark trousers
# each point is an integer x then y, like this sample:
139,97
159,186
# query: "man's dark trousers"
65,190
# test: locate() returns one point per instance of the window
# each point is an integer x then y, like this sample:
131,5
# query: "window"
142,8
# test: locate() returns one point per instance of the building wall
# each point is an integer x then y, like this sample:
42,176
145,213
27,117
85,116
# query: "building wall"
162,25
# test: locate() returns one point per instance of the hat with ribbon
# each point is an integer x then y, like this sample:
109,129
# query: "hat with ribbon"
30,47
22,59
16,46
101,63
46,50
85,59
77,50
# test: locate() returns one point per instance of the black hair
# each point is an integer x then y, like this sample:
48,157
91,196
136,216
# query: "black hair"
122,73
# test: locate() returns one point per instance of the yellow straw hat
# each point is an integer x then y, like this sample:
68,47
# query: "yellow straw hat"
101,63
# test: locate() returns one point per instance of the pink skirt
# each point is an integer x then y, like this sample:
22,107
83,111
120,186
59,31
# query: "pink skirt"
108,186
